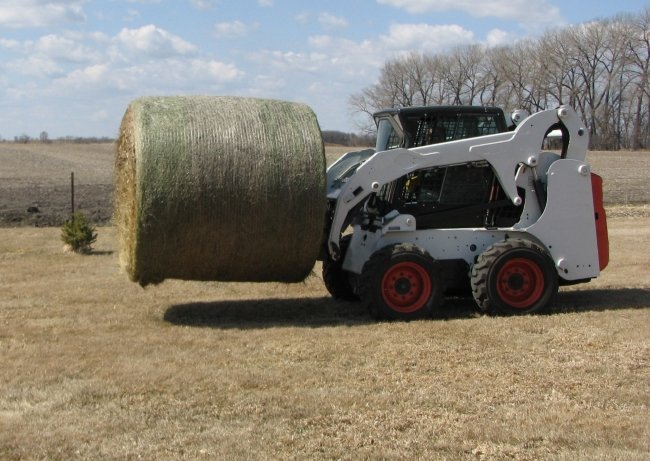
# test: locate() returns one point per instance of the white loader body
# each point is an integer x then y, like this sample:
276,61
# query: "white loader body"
557,214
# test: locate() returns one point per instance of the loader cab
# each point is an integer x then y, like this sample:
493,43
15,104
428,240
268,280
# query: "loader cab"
409,127
414,127
451,196
454,196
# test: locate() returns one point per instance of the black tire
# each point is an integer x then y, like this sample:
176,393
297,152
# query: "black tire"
337,281
514,277
401,282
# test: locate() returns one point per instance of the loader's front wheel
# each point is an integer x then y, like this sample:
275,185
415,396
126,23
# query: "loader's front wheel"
401,282
514,277
337,280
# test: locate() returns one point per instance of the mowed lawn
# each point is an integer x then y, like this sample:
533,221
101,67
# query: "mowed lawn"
94,367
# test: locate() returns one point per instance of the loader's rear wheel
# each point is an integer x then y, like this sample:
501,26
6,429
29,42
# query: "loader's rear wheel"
514,277
337,281
401,282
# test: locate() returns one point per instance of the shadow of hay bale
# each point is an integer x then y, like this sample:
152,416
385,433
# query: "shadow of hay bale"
268,313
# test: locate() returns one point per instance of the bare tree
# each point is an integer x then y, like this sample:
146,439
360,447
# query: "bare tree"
521,66
493,88
639,49
420,77
470,60
404,81
588,41
440,91
460,73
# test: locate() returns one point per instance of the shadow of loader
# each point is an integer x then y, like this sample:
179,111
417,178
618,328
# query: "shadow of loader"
327,312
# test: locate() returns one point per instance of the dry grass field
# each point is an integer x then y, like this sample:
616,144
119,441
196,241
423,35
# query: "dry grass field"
94,367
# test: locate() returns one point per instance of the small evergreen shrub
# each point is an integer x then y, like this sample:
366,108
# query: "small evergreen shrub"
77,234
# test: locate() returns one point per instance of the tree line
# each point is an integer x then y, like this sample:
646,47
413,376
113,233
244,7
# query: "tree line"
45,138
329,137
601,68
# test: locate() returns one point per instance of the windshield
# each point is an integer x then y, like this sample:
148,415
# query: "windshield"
387,137
339,171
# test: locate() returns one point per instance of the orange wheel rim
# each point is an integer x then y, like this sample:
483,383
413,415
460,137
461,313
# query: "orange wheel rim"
406,287
520,283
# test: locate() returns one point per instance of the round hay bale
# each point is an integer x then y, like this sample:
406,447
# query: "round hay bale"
219,188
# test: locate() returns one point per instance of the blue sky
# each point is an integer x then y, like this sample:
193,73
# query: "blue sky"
70,67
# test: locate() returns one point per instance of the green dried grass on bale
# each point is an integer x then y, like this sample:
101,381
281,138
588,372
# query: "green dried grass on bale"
219,188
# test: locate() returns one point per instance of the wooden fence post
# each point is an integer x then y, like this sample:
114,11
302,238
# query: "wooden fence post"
72,191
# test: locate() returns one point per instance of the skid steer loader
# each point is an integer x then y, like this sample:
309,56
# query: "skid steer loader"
451,199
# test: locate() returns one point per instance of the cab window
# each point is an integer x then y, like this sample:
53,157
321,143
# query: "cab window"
387,137
441,128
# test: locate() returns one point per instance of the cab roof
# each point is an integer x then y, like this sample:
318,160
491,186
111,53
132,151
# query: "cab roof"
423,110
